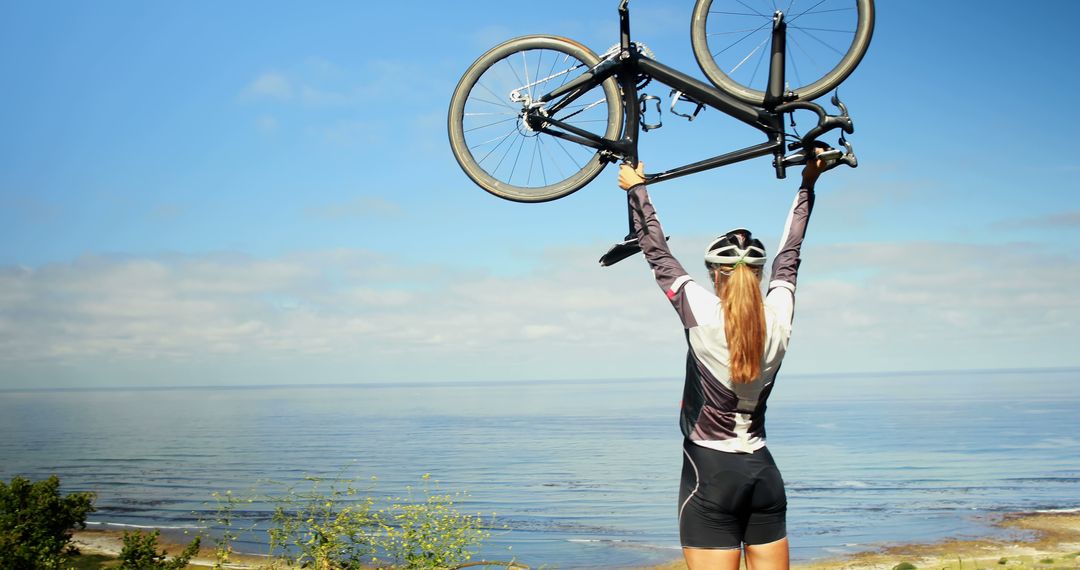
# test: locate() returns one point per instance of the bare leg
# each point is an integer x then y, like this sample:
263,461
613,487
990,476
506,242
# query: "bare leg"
771,556
711,558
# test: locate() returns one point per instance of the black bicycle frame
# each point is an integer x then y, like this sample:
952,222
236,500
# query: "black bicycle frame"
629,64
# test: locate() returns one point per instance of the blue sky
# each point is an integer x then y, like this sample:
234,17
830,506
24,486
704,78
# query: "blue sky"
244,193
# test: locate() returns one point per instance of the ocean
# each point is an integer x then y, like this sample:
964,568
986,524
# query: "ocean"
578,474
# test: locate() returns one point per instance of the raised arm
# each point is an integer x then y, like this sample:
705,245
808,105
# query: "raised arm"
670,275
785,267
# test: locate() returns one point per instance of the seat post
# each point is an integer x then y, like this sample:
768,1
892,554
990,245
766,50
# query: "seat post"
774,93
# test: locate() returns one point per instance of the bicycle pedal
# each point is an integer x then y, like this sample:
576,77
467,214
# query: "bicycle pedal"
621,251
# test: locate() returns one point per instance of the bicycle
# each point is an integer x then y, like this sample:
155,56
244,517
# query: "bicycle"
579,111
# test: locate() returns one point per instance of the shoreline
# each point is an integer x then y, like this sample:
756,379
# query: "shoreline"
1052,541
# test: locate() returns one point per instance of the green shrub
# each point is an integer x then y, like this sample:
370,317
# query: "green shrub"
36,522
224,515
429,532
334,525
904,566
326,527
140,553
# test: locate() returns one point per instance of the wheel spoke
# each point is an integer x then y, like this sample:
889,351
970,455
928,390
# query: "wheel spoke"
517,158
528,80
799,47
742,31
757,66
753,10
749,55
540,150
822,42
496,147
532,162
504,154
514,70
804,28
791,60
738,41
513,111
554,62
822,11
492,137
733,49
485,114
497,98
568,155
804,12
490,124
756,15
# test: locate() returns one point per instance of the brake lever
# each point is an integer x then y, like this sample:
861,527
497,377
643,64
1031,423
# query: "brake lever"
839,104
832,157
849,153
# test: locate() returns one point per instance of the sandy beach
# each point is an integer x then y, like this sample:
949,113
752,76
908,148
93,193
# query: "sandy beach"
1052,541
1045,540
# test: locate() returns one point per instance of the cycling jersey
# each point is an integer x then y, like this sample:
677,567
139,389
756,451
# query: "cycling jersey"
717,412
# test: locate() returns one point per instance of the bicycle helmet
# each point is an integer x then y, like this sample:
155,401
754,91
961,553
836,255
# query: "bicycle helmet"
734,247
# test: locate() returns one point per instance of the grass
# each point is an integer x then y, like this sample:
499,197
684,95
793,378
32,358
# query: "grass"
92,562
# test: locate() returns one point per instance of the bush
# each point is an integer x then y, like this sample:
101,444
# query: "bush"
224,517
429,533
140,553
323,528
334,525
36,522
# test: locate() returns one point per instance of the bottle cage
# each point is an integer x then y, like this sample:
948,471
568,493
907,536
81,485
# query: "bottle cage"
644,101
676,95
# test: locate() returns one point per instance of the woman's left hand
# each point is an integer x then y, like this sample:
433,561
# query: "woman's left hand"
630,177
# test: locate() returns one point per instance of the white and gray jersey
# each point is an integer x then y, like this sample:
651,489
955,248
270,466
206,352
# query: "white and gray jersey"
717,412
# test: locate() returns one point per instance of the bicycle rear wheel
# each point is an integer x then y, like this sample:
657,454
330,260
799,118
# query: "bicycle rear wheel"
498,149
826,40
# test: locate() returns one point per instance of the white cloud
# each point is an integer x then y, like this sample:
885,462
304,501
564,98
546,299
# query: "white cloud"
1067,220
320,83
349,132
363,207
356,315
266,124
945,305
270,85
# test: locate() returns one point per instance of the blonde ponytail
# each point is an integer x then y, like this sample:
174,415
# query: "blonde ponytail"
744,322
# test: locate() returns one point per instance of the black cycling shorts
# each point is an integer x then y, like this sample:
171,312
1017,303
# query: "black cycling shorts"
730,499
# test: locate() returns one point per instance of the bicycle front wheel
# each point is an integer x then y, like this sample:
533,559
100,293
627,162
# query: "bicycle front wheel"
826,40
505,154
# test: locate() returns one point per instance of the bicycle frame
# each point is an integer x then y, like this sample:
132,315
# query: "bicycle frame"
628,64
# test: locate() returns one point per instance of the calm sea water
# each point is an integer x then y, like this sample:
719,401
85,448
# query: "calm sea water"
581,474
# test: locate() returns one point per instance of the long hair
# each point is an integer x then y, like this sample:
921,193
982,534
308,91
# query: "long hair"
744,321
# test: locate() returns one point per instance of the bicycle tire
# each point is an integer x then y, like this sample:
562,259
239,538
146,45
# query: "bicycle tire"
742,17
482,92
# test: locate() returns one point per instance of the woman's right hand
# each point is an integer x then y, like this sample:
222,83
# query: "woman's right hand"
630,177
813,169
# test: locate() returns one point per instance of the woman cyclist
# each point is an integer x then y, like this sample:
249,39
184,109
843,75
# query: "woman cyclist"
731,496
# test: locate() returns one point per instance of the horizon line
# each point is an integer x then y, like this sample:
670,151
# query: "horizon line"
420,383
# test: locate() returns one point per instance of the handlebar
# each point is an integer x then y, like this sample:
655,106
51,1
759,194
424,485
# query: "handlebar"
825,124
